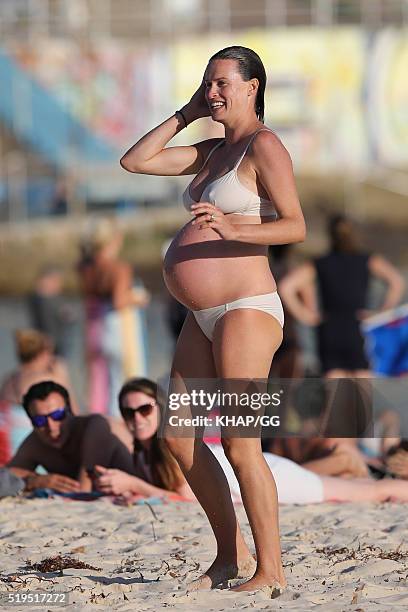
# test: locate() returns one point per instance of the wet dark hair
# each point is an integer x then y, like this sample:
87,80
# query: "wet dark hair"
41,390
342,235
165,469
250,66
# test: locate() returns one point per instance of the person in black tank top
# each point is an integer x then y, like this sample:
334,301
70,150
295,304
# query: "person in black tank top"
340,280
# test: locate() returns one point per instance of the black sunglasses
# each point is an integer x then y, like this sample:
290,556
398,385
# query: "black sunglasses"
128,412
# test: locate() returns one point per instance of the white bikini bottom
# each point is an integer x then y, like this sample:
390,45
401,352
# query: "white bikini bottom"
267,302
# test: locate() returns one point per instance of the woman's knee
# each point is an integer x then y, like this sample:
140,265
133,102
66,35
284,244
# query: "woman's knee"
182,449
239,451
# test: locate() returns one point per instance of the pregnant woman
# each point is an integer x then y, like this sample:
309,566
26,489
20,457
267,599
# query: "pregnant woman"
242,199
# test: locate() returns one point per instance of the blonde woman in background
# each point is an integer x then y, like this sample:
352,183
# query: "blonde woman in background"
115,341
37,362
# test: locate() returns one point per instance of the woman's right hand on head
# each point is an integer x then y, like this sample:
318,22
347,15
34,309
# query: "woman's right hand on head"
197,107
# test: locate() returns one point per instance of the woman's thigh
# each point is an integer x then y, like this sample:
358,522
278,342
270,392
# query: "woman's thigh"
192,369
193,356
244,343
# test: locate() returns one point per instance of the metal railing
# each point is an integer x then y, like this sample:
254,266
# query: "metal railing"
152,19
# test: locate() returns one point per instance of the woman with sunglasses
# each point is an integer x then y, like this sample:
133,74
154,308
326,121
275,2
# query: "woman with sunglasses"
156,470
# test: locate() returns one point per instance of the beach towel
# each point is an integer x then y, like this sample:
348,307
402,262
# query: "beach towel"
5,453
10,484
116,347
136,500
387,341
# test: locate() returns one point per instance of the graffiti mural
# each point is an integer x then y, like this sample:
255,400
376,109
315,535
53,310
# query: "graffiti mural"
337,97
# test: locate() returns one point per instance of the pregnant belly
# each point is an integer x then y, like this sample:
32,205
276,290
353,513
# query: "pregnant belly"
203,270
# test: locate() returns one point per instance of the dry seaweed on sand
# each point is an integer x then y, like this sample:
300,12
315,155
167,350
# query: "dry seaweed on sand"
58,563
363,553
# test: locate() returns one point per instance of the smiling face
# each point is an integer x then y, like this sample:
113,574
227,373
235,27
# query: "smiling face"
142,424
227,94
53,433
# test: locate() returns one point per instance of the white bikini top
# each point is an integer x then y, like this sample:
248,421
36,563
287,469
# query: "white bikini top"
229,194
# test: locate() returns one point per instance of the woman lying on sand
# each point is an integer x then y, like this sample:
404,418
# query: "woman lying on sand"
157,472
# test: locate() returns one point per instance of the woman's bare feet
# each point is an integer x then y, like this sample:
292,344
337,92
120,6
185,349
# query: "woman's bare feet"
220,571
272,587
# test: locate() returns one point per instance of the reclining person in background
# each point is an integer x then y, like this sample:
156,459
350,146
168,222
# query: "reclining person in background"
157,473
312,447
67,446
327,408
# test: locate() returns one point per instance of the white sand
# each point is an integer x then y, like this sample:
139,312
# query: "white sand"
146,561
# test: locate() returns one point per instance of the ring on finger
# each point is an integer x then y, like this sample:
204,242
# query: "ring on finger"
212,217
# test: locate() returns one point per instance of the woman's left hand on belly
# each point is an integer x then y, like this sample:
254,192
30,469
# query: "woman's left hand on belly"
208,215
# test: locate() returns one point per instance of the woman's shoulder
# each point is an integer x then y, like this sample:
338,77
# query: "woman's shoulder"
266,144
265,136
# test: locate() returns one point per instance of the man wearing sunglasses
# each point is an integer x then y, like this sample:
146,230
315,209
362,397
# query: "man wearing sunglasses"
67,446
